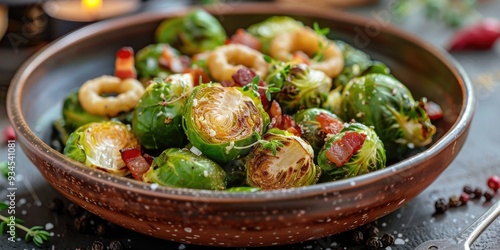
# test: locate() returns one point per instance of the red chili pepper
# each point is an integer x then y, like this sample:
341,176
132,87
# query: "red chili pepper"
479,36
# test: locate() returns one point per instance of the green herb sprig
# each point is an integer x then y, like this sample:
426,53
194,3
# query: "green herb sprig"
36,234
254,87
272,145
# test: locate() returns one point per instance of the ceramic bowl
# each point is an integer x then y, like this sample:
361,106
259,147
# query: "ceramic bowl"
237,219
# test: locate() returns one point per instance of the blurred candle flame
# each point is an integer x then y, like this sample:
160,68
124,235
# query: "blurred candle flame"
92,5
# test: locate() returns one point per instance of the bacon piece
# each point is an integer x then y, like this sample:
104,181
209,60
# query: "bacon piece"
135,162
124,63
329,124
344,148
247,39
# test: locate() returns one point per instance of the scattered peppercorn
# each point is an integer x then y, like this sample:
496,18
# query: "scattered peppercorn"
373,231
453,201
357,238
100,229
74,210
440,206
56,205
387,240
81,224
488,195
97,245
464,198
494,183
468,190
478,193
373,243
116,245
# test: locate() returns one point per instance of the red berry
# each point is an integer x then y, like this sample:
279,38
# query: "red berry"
8,134
464,198
494,182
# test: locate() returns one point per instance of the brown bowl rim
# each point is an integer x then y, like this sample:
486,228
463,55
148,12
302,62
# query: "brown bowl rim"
81,171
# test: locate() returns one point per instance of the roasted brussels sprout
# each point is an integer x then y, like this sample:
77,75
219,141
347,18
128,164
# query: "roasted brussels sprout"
355,62
283,160
147,61
194,33
385,103
236,173
356,150
222,121
157,120
311,127
266,30
75,116
303,88
98,145
176,167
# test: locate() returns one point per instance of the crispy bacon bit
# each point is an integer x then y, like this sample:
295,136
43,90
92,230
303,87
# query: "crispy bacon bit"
282,121
170,60
198,75
344,148
124,63
244,76
136,163
247,39
434,111
329,124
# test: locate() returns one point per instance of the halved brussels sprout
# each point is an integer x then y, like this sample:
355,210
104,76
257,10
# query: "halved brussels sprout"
311,128
221,121
303,88
98,145
385,103
356,150
176,167
194,33
289,165
266,30
157,120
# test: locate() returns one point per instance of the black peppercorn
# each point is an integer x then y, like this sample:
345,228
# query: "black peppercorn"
440,206
81,224
100,229
97,245
454,201
467,189
478,193
115,245
56,205
372,231
373,243
74,210
488,195
387,240
357,238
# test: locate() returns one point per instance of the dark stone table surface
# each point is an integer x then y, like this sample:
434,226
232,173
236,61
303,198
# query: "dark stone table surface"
412,224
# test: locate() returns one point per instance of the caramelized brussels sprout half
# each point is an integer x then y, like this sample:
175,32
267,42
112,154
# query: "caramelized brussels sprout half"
386,104
356,150
311,128
194,33
303,88
98,145
282,161
157,119
266,30
222,121
176,167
